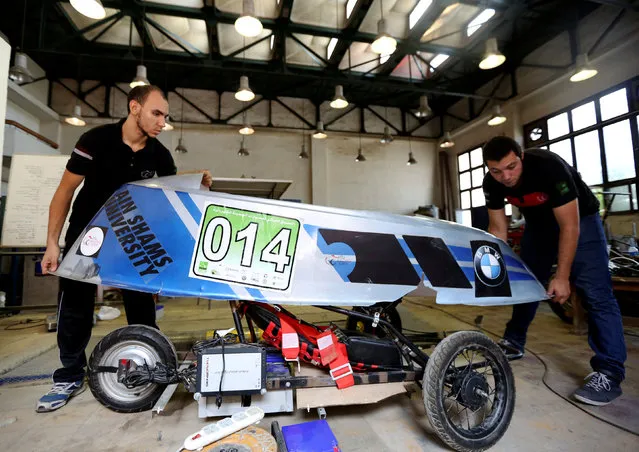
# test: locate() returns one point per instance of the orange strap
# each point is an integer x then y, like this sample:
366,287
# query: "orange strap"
334,354
341,370
290,341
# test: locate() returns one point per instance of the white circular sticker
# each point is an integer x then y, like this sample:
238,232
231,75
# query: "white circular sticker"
92,242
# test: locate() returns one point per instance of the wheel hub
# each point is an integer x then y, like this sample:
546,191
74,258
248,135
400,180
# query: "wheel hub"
472,388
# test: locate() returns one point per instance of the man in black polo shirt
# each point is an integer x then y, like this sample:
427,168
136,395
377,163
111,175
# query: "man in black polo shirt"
104,158
563,226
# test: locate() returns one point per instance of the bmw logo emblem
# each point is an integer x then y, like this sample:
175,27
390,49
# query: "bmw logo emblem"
489,266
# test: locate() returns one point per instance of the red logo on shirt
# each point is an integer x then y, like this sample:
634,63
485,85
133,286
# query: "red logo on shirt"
529,200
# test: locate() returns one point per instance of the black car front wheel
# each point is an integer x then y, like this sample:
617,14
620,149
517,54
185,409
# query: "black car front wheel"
469,391
141,344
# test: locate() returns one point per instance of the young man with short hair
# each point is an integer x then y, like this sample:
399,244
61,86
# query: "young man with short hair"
562,226
105,158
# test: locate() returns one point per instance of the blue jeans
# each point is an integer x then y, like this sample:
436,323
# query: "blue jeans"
591,277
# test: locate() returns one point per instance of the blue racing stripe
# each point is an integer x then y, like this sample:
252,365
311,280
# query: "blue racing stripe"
469,272
409,253
190,205
256,294
516,276
461,254
512,262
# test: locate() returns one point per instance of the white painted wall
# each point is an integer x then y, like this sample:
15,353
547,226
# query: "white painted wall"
383,182
273,155
18,114
330,177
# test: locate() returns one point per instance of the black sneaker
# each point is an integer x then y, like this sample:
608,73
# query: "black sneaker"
511,350
600,390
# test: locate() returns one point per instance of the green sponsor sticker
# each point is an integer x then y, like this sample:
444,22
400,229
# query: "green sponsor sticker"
246,247
563,188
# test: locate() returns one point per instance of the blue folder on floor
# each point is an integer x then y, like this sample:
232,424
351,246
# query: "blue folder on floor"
314,436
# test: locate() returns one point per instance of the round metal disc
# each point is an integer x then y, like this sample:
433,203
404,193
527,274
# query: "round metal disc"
231,447
249,439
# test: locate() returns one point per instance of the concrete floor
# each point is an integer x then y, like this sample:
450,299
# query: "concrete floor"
542,419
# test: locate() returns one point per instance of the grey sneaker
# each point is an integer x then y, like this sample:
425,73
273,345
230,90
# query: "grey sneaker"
600,390
59,395
511,350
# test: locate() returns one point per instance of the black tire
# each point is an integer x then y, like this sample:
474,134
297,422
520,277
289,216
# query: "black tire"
463,379
140,343
391,315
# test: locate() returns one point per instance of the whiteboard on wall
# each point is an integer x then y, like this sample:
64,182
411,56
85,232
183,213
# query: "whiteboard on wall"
33,180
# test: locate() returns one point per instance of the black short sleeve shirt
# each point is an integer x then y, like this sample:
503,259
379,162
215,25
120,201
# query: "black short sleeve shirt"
547,181
106,163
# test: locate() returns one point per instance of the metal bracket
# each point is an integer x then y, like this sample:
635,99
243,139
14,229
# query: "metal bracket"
321,412
376,320
164,399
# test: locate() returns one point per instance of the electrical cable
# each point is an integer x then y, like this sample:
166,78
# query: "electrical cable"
36,323
543,378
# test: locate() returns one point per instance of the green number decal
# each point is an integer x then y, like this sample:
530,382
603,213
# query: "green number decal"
246,247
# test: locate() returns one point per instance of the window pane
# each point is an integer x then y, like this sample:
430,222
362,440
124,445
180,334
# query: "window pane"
589,157
462,162
465,200
464,181
635,203
476,158
583,116
478,177
563,150
558,126
508,208
614,104
478,197
620,160
622,200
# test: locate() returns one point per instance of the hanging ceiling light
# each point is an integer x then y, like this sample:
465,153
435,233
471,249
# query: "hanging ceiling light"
89,8
167,127
424,109
303,154
360,157
247,129
339,101
180,148
387,137
447,141
384,43
244,92
583,69
243,152
492,56
411,160
319,131
247,24
19,73
140,77
76,118
496,118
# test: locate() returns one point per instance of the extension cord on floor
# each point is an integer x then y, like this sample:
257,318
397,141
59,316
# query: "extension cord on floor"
223,428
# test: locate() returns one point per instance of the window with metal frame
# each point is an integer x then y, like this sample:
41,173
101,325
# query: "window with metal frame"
599,136
470,177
